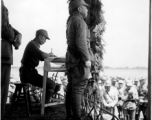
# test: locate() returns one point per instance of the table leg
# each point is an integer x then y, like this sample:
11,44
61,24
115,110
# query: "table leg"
44,91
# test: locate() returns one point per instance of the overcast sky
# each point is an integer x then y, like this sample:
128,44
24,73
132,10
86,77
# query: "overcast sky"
126,32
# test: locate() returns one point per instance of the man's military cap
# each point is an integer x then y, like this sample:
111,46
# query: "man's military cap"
77,3
42,32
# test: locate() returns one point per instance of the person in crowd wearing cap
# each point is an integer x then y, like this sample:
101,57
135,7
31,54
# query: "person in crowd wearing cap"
59,88
110,97
30,60
103,79
101,84
9,37
114,82
136,83
64,82
120,95
78,62
130,97
143,97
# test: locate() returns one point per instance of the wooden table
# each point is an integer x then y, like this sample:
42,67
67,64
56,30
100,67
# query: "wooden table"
47,68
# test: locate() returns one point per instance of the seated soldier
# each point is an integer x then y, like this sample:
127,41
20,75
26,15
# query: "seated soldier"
130,97
30,60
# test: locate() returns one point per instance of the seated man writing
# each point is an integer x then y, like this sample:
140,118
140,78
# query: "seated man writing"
30,60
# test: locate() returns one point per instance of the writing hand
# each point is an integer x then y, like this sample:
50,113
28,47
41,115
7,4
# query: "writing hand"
51,55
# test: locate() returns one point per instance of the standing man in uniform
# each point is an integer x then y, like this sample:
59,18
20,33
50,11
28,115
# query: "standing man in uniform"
130,97
110,97
78,62
10,37
30,60
120,95
143,98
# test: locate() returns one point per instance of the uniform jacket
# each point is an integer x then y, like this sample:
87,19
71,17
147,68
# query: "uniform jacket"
77,40
110,96
130,103
32,55
120,92
8,34
143,93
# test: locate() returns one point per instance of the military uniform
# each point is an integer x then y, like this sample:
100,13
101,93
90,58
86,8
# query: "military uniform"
8,35
130,97
143,99
77,54
110,98
120,95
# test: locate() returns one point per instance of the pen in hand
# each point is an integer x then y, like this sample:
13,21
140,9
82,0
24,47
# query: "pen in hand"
51,54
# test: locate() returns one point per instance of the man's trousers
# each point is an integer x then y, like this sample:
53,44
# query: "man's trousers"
77,81
5,79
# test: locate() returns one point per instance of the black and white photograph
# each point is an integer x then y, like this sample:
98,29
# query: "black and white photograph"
76,60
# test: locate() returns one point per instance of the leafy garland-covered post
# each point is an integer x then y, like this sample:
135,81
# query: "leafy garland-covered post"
96,24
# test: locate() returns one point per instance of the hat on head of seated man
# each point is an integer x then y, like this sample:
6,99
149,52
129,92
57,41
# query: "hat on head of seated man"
77,3
42,32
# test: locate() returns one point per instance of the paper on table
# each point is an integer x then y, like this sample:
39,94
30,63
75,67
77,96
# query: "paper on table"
54,62
56,59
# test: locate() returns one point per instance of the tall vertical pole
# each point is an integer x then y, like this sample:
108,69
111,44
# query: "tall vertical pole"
149,67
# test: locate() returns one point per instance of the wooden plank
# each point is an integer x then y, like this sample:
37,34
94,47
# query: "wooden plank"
44,91
57,70
54,103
